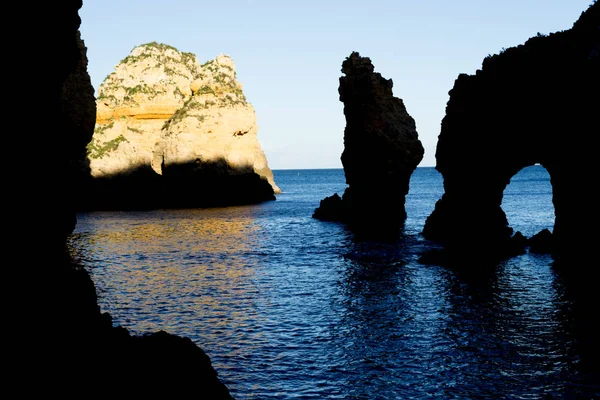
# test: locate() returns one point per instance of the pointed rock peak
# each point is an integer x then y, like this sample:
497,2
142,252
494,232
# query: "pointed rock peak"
361,83
222,65
355,64
217,77
225,61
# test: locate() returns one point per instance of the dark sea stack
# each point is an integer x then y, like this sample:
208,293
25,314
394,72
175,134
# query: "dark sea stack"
381,151
58,342
533,103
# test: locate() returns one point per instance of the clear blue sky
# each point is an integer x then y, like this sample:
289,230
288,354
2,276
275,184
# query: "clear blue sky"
288,55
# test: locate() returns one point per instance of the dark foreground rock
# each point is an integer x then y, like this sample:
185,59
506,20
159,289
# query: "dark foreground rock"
57,342
381,151
64,345
532,103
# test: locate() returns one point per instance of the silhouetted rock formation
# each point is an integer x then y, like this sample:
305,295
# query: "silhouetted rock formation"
533,103
541,242
381,151
58,343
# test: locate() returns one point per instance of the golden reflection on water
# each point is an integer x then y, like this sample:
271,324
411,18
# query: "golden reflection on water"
195,261
227,231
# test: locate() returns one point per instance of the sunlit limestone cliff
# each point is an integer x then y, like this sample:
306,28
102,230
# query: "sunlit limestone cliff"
165,122
215,123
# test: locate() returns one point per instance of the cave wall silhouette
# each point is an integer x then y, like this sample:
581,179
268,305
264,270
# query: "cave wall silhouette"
534,103
59,343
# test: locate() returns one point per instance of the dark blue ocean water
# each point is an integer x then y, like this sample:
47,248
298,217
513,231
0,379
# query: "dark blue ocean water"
289,307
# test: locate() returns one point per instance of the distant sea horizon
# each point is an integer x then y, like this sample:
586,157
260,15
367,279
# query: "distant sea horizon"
328,168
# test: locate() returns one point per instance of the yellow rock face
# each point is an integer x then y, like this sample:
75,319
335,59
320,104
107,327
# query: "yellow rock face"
144,111
163,107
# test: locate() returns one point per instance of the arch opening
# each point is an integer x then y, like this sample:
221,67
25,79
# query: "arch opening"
527,201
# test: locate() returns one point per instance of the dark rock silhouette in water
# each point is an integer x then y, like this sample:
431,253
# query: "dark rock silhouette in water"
541,242
186,185
59,342
381,151
533,103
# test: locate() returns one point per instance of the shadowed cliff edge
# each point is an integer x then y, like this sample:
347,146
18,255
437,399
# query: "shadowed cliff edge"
59,343
381,151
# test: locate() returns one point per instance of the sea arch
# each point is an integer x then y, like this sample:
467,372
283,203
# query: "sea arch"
529,104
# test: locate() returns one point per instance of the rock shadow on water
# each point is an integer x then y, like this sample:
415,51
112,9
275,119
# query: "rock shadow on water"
196,184
581,291
368,308
530,304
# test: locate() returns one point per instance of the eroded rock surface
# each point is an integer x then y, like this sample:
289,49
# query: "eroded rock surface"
381,151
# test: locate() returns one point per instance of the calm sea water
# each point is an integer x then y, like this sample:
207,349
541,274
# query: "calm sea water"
289,307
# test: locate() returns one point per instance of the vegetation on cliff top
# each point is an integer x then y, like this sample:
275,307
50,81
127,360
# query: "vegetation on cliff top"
186,57
219,78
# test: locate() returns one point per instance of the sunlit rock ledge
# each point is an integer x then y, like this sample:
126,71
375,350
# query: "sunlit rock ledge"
104,113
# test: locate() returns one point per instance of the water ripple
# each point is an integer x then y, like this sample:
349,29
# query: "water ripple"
289,307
